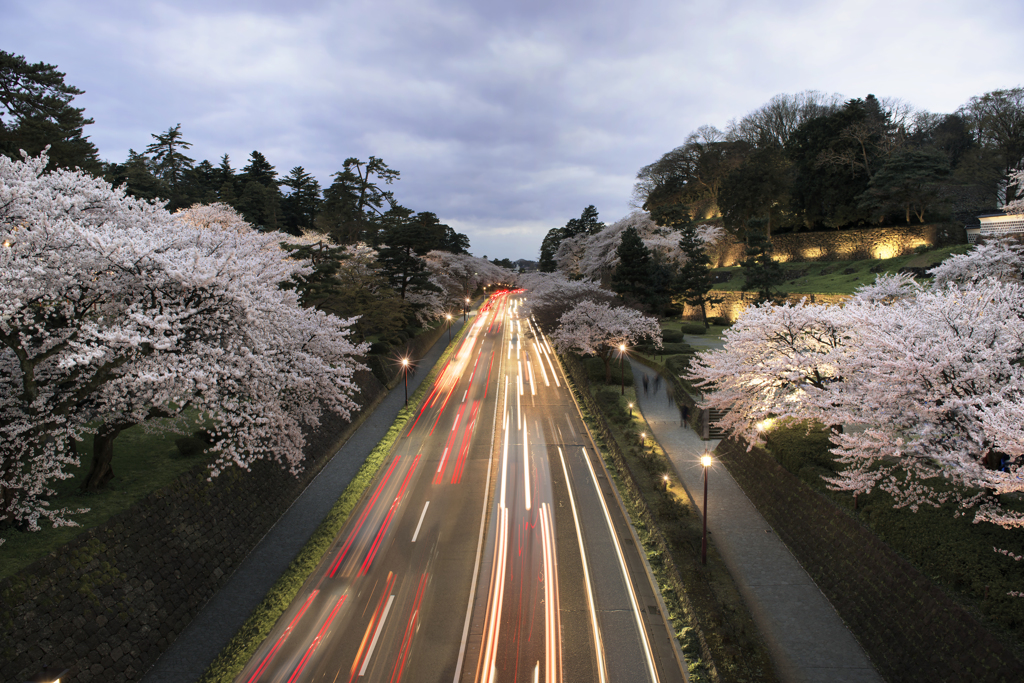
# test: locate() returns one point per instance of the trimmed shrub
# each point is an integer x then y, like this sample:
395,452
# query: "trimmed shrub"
189,446
692,328
673,337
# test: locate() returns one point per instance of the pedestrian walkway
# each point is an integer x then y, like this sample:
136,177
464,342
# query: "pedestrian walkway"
807,639
193,651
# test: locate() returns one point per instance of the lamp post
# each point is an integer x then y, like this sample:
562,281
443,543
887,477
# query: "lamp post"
622,352
465,310
705,461
449,316
405,371
631,410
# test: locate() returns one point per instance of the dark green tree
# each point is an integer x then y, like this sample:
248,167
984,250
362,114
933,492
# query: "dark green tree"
170,164
761,273
36,111
996,119
758,188
402,242
586,224
907,183
260,197
356,201
302,204
638,277
548,248
694,280
137,177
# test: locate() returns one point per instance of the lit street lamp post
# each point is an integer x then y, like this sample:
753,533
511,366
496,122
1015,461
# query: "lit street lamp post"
405,371
622,352
449,316
465,310
705,461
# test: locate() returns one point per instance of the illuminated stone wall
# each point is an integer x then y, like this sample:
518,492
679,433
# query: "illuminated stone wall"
845,245
736,302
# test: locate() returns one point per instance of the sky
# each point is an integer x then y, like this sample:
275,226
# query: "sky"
506,119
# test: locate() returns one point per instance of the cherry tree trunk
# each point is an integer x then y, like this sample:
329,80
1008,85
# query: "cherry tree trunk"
102,470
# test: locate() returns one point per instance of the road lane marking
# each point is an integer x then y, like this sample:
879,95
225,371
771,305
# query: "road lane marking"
422,515
599,646
376,635
625,573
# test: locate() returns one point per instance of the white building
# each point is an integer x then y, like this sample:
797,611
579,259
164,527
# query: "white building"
997,225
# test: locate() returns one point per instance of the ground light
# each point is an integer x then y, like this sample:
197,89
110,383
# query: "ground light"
51,674
631,410
705,461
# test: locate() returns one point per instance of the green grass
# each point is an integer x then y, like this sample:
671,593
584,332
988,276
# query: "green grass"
233,658
949,549
840,277
143,462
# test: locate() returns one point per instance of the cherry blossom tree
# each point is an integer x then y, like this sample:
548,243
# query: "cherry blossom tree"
1002,260
550,295
933,389
598,329
776,364
112,310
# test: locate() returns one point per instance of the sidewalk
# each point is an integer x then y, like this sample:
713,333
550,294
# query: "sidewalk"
807,639
197,646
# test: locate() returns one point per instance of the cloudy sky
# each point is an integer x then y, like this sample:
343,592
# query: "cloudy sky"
506,118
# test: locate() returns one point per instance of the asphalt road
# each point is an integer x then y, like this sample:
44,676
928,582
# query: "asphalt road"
414,589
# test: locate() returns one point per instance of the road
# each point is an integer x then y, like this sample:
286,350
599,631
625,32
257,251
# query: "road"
414,589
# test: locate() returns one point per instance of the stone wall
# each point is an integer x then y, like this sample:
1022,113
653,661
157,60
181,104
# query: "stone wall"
845,245
734,303
109,603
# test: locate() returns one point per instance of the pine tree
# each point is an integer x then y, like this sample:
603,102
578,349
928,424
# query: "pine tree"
763,275
694,280
36,111
302,203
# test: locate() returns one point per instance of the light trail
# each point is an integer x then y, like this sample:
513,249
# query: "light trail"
387,520
316,641
526,466
495,600
376,635
533,386
625,574
410,631
362,518
284,637
598,645
540,363
552,629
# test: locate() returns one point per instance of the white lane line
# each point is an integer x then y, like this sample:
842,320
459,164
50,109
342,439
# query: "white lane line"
376,635
422,515
540,363
625,573
526,465
586,573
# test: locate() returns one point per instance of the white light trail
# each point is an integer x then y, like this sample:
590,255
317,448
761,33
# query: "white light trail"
533,386
540,364
376,635
599,647
625,573
526,465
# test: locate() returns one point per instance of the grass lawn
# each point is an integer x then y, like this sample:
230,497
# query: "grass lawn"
839,277
143,462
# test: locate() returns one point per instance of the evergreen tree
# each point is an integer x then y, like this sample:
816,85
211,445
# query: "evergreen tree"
36,111
302,204
401,244
137,177
169,161
260,200
259,170
548,248
638,277
694,280
762,274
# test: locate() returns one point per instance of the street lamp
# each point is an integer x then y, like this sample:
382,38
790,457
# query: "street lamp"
643,439
705,461
465,309
449,316
405,371
622,352
631,410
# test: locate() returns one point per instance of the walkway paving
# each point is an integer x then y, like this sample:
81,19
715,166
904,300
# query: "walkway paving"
193,651
807,639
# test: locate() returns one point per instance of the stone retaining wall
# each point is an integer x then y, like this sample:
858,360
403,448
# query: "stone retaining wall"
109,603
845,245
734,303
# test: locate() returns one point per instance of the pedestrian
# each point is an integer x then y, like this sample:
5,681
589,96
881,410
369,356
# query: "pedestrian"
645,384
684,415
657,383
